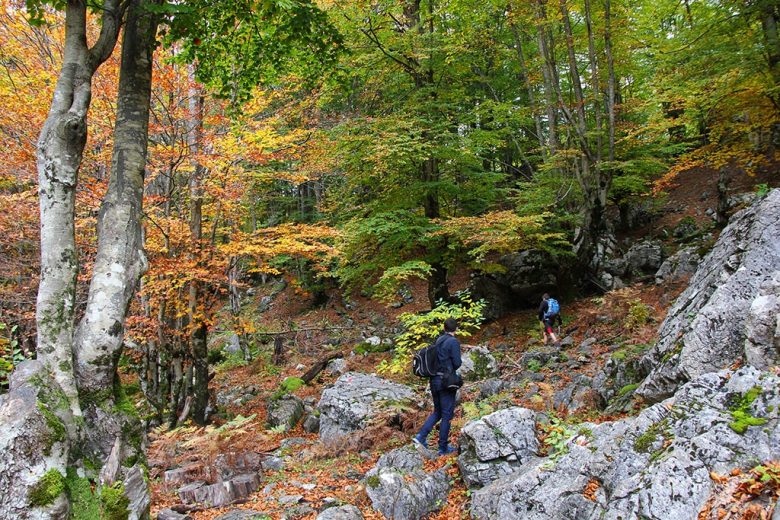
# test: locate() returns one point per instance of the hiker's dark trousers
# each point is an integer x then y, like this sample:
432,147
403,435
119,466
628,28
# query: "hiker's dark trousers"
443,410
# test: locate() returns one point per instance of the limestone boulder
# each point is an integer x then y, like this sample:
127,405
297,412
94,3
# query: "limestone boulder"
400,488
656,465
497,445
353,400
706,328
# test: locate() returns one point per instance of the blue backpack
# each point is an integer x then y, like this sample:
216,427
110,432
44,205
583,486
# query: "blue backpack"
553,308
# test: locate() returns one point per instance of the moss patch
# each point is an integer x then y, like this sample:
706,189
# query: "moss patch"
114,503
644,442
84,504
481,365
46,491
56,428
372,481
740,412
628,389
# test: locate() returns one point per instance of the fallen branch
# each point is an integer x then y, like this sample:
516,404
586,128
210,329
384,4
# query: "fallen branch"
319,366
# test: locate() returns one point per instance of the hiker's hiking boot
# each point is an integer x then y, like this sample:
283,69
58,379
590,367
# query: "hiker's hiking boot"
449,450
420,443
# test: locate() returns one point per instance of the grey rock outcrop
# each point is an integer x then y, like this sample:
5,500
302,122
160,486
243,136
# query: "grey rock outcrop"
497,445
33,444
656,465
762,344
137,492
347,512
478,364
578,395
705,330
400,489
680,265
525,277
353,400
285,412
643,258
311,424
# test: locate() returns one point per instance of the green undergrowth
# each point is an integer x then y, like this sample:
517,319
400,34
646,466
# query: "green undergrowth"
740,412
86,503
288,386
46,491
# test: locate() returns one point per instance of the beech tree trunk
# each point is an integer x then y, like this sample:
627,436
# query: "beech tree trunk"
59,154
198,331
120,260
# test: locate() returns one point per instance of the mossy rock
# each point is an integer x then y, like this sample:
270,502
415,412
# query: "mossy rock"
46,491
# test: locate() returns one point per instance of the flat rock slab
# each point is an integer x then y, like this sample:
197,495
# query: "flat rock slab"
221,493
244,514
348,512
178,477
348,405
170,514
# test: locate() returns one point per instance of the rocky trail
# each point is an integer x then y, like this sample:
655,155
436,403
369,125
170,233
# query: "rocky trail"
662,401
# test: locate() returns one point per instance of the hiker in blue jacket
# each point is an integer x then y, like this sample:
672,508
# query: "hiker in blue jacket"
448,350
549,313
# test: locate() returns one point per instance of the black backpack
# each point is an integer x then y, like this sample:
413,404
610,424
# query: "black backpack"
426,360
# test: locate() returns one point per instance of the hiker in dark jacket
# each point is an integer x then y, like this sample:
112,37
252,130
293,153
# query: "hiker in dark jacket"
448,350
548,320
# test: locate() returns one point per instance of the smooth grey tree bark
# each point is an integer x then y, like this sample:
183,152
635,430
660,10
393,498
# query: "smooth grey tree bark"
59,154
120,259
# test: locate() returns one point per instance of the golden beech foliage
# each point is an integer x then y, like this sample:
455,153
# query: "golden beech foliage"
29,65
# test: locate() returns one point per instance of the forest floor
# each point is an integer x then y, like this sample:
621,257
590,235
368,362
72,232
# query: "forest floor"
337,471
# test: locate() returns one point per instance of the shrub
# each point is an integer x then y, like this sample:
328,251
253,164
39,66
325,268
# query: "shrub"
422,329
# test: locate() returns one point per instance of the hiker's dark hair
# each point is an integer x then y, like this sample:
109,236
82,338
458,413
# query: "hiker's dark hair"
545,296
450,325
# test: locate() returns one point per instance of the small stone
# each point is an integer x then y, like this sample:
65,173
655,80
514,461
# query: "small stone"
290,499
347,512
272,463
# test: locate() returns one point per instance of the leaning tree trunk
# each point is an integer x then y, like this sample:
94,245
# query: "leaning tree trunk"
120,259
60,150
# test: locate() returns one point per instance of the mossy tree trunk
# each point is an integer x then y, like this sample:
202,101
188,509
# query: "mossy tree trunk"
82,359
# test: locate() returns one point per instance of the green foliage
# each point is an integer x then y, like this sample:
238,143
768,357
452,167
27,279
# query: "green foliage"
378,245
762,190
46,490
741,414
638,314
216,356
534,365
84,503
556,440
421,329
644,442
238,45
288,386
114,503
628,389
10,353
231,361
